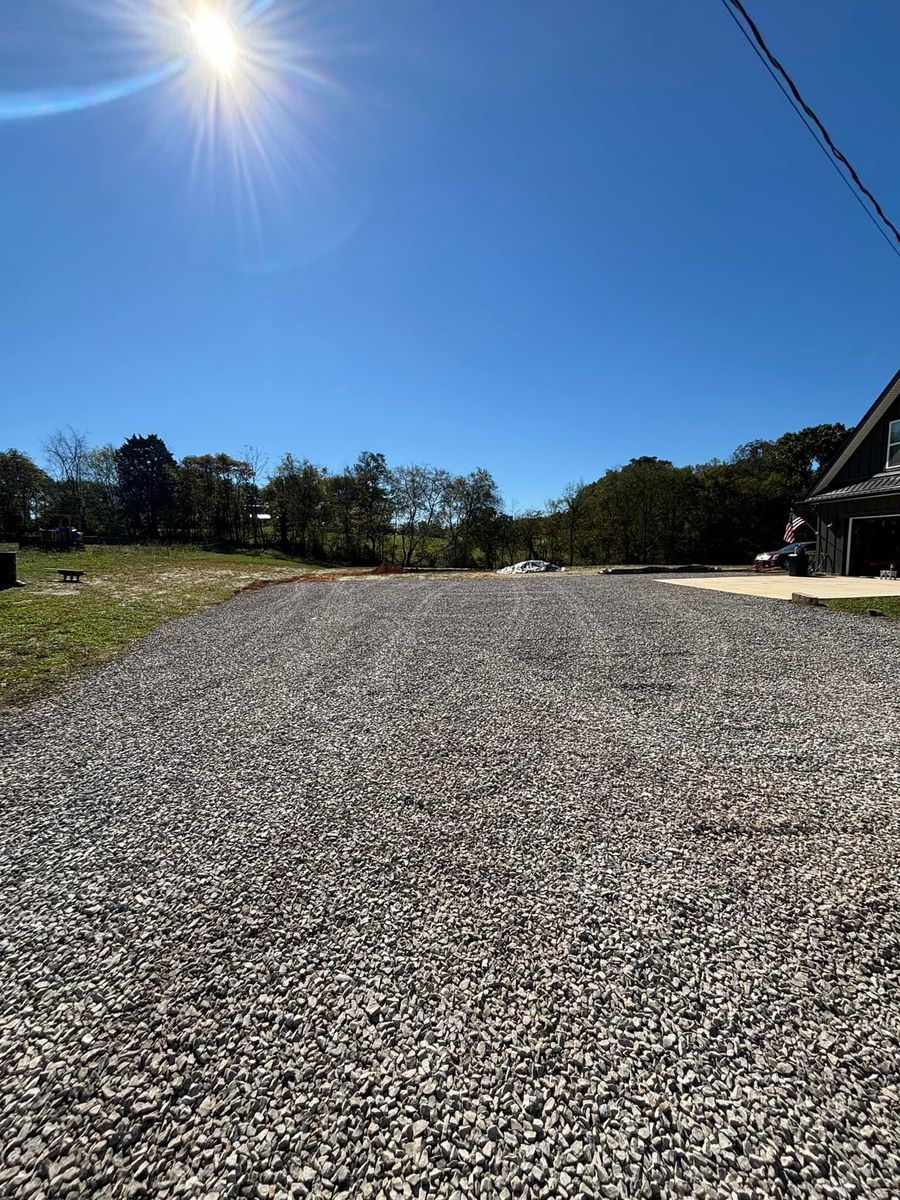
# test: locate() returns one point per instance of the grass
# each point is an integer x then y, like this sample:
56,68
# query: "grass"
50,631
889,605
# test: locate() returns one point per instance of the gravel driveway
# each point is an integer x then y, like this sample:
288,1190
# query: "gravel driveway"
525,886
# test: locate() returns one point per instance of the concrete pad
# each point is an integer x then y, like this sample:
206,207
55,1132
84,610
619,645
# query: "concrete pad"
782,587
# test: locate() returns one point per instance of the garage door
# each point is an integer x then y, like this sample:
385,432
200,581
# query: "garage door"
874,545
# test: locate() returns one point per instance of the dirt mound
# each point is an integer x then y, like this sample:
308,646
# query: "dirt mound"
388,569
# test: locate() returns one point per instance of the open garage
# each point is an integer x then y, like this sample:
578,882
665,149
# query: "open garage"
873,544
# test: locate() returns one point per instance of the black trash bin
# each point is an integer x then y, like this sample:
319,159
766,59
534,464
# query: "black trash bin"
798,564
8,569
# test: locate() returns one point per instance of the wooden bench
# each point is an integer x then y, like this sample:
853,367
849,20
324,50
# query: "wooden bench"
68,575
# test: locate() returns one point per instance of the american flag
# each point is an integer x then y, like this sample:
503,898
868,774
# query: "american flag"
793,527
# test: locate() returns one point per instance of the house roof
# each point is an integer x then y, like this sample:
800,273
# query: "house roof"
854,439
888,483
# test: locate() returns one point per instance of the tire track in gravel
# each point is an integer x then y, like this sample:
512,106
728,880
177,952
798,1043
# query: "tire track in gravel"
408,888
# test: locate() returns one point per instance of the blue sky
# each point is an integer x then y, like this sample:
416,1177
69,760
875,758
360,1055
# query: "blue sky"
538,237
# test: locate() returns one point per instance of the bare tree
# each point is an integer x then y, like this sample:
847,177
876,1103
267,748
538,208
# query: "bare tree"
67,453
257,463
573,503
418,494
529,526
553,532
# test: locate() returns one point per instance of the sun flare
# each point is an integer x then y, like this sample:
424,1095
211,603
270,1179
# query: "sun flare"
214,40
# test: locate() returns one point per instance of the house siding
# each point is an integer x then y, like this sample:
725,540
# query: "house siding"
870,457
833,527
866,465
831,539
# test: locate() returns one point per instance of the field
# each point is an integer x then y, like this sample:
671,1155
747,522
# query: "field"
517,888
50,631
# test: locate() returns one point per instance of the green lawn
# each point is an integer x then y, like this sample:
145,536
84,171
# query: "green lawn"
50,631
889,605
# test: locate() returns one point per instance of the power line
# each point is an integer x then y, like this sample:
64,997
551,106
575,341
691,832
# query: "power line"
838,154
812,123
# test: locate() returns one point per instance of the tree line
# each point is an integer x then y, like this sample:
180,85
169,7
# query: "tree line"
367,513
648,510
651,511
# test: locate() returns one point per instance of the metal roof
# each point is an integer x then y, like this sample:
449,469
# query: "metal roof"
878,485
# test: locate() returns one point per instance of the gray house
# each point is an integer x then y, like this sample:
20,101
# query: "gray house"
857,499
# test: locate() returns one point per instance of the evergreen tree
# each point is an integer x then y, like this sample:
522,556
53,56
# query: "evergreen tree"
147,474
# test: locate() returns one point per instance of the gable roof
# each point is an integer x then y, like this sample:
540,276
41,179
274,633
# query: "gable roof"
858,435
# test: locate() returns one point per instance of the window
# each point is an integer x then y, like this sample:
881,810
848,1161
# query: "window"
894,444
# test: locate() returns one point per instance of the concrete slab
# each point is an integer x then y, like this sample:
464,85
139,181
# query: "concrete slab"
782,587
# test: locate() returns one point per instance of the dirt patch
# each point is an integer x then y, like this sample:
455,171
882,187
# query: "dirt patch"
317,577
326,576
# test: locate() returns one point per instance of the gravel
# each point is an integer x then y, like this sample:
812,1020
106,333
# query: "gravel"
523,887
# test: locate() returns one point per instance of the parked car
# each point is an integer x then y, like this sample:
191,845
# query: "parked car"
778,558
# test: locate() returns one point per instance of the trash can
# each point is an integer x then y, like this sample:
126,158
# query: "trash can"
8,569
798,564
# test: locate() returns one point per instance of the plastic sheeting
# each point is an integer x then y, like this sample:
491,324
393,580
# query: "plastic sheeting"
530,566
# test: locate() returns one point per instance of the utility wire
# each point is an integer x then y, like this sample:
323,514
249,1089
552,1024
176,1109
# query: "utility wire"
815,127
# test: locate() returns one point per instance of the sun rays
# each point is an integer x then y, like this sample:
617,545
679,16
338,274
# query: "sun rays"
250,105
242,104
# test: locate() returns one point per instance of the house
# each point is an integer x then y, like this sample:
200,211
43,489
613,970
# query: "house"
857,499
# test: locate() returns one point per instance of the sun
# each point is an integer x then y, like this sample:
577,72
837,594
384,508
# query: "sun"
214,40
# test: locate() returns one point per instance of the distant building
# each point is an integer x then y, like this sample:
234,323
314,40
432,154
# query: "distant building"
857,499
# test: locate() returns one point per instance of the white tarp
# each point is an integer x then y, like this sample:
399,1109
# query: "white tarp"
530,567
